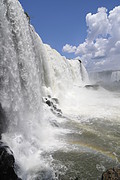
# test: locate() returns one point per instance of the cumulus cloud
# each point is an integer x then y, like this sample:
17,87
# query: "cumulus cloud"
69,49
98,24
101,49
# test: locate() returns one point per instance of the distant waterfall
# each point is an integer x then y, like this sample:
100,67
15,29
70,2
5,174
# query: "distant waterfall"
115,76
107,76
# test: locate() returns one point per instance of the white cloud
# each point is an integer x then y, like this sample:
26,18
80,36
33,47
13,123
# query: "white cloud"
101,48
98,24
69,49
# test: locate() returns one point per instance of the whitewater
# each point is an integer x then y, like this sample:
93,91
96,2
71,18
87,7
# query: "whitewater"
58,127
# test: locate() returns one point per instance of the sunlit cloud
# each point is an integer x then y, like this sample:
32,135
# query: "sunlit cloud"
69,49
101,49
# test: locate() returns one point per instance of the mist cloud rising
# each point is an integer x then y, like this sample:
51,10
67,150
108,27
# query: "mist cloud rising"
101,49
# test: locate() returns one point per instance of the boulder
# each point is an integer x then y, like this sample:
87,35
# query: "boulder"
7,162
28,17
48,102
111,174
53,103
55,100
49,96
80,61
92,86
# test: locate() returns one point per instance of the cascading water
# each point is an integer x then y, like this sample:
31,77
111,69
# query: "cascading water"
24,78
64,73
55,122
21,78
115,76
20,68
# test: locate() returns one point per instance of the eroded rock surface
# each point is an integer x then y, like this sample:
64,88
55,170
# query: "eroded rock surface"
111,174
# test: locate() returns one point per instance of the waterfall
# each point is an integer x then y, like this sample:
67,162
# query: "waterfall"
27,66
21,78
64,73
115,76
30,70
20,66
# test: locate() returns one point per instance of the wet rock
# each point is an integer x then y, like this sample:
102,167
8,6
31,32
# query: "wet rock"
54,123
56,100
3,121
92,86
80,61
28,17
7,162
55,107
59,110
111,174
49,96
53,103
48,102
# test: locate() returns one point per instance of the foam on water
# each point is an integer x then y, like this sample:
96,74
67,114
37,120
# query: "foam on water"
92,104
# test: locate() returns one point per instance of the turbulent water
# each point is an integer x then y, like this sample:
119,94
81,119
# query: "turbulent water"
57,127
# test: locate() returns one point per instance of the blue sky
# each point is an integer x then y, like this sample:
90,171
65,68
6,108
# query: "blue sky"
61,22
